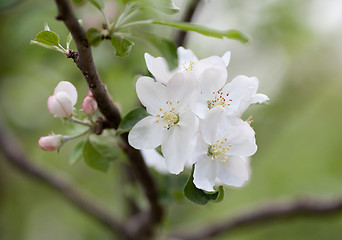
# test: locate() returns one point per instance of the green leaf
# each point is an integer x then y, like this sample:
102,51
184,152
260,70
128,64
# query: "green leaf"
231,34
167,48
105,145
121,45
94,36
48,38
99,4
199,196
77,152
165,6
130,119
93,158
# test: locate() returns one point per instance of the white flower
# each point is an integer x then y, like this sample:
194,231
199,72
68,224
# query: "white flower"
222,147
235,96
154,159
62,102
171,124
204,70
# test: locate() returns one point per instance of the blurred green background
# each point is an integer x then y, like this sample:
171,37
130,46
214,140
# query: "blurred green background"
296,53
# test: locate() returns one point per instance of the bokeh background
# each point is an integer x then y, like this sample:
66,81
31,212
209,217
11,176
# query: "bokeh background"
296,53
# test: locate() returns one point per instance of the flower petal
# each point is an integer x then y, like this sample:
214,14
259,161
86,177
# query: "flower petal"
226,58
151,94
155,160
205,173
158,67
185,57
259,98
68,88
234,172
60,105
147,133
211,124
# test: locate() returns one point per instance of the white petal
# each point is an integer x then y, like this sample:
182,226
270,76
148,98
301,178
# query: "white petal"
259,98
147,134
201,109
226,58
205,173
155,160
158,67
180,142
200,149
211,80
68,88
185,57
60,105
151,94
180,89
240,134
211,125
234,172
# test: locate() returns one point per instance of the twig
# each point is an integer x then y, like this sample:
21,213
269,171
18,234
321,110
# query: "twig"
181,35
272,212
11,150
85,63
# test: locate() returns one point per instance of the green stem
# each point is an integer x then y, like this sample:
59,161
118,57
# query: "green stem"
85,123
68,138
136,23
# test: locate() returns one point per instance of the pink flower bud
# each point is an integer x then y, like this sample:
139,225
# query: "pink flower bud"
50,143
62,102
89,105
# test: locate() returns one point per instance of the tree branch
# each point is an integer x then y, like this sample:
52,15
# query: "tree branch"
181,36
85,63
272,212
11,150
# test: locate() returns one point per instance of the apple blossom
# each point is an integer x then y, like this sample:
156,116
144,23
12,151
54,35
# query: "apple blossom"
51,143
62,102
236,96
220,154
171,124
89,104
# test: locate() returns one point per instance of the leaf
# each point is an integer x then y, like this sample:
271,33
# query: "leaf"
167,48
77,152
94,36
47,38
165,6
130,119
231,34
199,196
93,158
121,45
99,4
106,146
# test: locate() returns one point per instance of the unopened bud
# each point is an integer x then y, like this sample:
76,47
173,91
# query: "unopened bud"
89,105
51,143
62,102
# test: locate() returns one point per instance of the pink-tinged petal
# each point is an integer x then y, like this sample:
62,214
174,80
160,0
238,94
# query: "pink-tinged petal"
158,67
60,105
50,143
155,160
89,105
68,88
205,173
180,89
151,94
148,133
226,58
185,58
233,172
179,145
211,125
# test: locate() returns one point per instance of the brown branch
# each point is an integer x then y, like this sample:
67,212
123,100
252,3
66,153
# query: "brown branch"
181,35
272,212
85,63
11,150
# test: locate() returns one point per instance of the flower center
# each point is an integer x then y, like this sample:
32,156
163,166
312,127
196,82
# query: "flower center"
170,117
219,149
188,67
219,99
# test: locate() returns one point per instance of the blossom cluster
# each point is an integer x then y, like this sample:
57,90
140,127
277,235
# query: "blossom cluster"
195,117
61,104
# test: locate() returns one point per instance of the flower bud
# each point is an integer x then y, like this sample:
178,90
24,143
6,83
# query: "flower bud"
62,102
89,105
51,143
